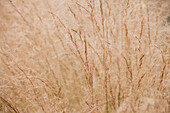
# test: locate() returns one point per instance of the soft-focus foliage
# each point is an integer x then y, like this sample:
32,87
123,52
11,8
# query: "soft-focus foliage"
80,56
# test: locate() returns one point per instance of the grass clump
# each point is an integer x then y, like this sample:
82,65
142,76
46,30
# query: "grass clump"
88,56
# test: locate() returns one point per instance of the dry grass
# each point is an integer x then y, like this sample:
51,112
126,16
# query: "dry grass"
87,56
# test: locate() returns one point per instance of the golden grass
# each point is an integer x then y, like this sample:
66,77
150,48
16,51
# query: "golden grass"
88,56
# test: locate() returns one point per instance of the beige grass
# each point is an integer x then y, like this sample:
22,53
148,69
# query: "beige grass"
84,56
